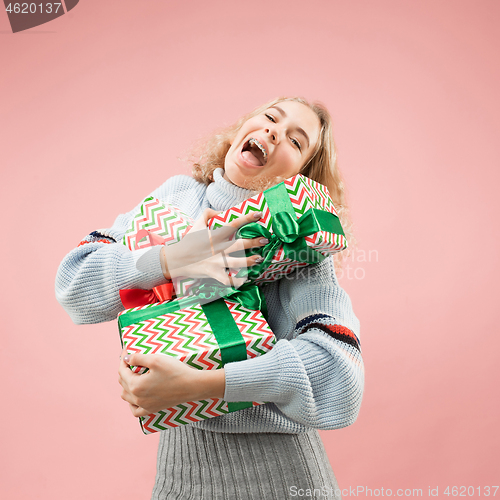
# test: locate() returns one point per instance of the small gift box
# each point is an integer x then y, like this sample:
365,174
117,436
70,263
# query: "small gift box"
216,326
157,223
300,222
163,224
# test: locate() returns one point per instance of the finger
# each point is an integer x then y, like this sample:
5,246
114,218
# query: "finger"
245,243
123,368
125,377
239,245
222,243
229,280
222,277
230,228
236,282
245,219
239,262
123,353
222,234
202,222
139,360
127,397
137,411
209,213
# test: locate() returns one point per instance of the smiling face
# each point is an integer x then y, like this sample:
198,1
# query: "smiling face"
274,144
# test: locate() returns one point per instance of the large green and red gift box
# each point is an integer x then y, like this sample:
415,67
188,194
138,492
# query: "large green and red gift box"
300,221
203,334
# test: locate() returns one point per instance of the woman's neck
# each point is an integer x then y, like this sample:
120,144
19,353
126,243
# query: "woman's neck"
223,194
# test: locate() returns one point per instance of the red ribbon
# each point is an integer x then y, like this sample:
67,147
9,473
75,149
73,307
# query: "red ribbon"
154,239
136,297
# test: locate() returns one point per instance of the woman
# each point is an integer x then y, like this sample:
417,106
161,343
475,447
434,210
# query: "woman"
312,378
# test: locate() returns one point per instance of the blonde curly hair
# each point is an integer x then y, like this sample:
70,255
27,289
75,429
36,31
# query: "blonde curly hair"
321,167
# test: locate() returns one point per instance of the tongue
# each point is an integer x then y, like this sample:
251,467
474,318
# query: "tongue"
250,158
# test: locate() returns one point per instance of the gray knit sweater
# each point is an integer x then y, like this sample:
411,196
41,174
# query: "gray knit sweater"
312,378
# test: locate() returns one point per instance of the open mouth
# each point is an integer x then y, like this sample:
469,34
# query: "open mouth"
254,152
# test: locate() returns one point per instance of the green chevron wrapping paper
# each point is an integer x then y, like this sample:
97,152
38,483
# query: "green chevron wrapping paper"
184,329
300,221
159,223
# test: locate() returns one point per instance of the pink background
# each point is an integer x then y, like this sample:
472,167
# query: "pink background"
97,106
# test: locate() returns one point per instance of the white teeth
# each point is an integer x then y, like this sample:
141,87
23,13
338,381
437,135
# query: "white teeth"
260,146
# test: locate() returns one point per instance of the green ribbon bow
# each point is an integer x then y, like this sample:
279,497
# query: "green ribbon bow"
288,231
248,295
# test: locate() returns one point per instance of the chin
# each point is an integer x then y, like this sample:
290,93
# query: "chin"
252,183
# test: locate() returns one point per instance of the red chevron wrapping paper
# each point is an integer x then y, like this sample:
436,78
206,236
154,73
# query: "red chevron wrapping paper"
163,224
187,335
304,194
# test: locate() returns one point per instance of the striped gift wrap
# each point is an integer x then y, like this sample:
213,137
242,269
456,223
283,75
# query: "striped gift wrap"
299,196
159,223
182,330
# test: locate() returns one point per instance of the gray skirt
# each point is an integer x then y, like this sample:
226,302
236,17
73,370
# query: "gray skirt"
204,465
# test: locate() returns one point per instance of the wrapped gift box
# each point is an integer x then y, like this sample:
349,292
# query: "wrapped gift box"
300,221
157,223
157,218
202,335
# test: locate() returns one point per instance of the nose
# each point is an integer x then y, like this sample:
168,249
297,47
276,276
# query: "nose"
272,132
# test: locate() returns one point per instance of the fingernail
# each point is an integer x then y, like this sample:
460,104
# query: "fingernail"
259,260
257,215
127,359
263,241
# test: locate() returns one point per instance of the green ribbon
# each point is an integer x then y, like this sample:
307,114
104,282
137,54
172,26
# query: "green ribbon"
288,231
231,342
134,317
248,295
217,313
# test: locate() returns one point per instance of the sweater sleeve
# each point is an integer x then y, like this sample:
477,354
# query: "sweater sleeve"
315,375
91,276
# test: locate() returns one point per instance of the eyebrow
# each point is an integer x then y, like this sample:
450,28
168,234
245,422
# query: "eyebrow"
300,130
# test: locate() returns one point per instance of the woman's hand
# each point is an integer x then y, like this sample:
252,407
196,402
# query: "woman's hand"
168,382
205,253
